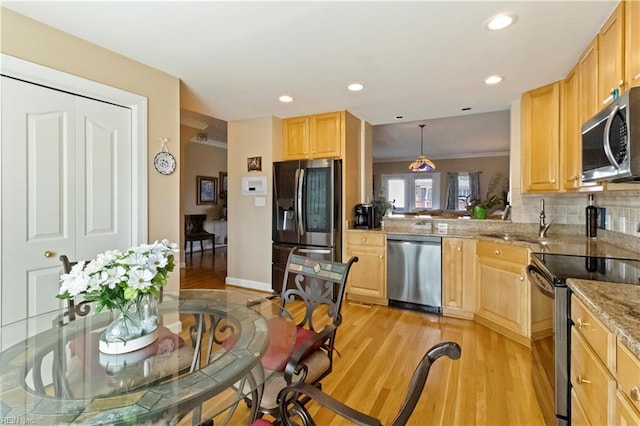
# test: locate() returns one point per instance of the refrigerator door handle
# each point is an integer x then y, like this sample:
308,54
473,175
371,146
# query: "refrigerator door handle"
314,251
300,183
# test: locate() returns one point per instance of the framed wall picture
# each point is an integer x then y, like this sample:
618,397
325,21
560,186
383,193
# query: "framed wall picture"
254,164
207,190
223,185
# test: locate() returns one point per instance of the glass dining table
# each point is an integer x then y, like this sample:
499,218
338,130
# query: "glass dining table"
211,348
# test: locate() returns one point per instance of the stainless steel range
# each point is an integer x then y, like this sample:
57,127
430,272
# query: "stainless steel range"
550,354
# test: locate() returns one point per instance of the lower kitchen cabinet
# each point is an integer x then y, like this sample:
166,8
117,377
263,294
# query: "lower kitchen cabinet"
458,277
592,362
503,291
627,410
368,277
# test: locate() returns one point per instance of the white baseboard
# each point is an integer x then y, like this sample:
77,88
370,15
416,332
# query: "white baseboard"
253,285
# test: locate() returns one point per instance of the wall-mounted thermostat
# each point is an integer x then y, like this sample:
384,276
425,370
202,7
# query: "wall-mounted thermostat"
254,185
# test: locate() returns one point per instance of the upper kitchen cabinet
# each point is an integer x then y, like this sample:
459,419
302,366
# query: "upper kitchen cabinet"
541,139
587,73
314,136
611,71
579,102
632,42
571,148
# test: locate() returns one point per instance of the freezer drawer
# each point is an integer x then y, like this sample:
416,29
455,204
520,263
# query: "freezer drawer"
414,272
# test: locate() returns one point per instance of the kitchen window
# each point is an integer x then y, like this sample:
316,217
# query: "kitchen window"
408,192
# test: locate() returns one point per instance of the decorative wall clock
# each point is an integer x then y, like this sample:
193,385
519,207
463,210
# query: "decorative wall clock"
164,162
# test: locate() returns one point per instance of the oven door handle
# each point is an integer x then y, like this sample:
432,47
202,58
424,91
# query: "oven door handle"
541,282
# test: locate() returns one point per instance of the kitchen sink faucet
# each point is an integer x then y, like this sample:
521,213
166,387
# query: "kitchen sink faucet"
544,227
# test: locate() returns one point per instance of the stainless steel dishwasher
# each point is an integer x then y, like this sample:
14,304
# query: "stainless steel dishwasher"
414,272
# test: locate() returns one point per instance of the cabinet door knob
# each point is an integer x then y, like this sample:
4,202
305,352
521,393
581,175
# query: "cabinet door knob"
364,239
459,248
581,380
521,278
381,257
496,252
580,323
553,181
49,253
637,77
634,394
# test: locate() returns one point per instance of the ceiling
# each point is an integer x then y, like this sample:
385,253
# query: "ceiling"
420,59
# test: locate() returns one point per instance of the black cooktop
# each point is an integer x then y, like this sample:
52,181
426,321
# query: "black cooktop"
561,267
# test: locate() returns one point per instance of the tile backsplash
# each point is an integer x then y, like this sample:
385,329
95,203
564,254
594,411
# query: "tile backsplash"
622,209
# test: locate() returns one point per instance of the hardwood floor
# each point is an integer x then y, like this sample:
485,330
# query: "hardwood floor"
380,346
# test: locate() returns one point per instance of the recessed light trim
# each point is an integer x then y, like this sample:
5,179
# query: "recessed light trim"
494,79
355,87
466,109
285,98
399,117
501,21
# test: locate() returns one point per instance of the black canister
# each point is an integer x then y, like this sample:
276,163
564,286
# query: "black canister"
591,216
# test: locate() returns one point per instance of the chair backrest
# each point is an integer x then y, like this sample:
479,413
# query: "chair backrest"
419,378
194,223
317,283
292,399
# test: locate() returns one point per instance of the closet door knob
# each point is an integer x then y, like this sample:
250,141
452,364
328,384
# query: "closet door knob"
49,253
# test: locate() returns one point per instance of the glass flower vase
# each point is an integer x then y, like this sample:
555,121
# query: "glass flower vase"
128,332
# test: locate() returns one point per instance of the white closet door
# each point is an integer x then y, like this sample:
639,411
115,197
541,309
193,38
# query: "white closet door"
66,189
103,213
38,192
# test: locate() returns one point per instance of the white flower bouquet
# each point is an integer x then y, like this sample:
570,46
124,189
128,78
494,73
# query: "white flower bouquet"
115,278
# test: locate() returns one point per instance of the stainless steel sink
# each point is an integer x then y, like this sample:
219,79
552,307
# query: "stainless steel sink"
518,237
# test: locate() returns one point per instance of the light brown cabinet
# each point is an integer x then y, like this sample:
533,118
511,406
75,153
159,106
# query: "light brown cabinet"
593,348
579,102
571,148
541,139
632,42
314,136
628,395
458,277
503,291
588,94
368,277
611,71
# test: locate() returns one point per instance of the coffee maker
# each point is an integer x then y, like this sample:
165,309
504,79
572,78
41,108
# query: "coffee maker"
366,216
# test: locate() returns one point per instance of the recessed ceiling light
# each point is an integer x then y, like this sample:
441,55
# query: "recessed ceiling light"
286,98
494,79
399,117
355,87
466,109
500,22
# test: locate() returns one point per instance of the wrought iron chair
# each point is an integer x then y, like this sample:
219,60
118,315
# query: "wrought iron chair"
292,410
194,231
316,296
74,309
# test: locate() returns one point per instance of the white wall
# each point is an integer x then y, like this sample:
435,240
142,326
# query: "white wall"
249,225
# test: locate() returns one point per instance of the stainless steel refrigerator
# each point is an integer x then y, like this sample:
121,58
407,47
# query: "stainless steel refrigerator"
307,197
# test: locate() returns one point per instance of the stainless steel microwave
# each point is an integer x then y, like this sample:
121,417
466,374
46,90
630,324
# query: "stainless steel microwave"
609,151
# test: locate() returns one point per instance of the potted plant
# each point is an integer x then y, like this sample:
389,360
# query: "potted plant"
479,209
382,205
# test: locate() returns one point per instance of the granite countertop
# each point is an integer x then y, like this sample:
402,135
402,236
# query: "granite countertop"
616,305
569,244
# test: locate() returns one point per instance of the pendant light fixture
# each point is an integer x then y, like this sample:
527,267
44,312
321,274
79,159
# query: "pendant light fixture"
422,163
